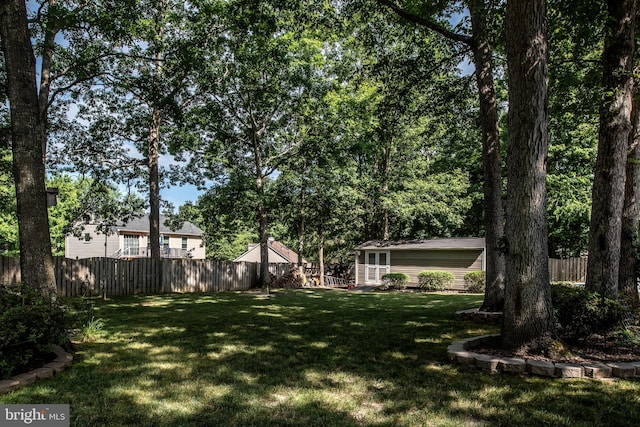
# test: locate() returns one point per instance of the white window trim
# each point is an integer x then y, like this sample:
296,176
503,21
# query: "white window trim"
130,238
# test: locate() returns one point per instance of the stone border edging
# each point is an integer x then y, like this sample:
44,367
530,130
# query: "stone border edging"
62,361
459,352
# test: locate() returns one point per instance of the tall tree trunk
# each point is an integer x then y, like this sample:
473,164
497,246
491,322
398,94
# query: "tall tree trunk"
261,207
303,192
491,159
263,231
153,153
613,138
528,316
384,192
321,257
628,275
154,183
301,240
36,262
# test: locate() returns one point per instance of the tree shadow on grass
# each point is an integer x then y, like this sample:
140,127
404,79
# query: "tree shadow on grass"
306,358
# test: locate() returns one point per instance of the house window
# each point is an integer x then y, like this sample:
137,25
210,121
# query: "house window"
377,264
164,241
184,243
87,237
131,245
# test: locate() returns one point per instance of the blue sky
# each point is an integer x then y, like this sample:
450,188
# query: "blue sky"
179,195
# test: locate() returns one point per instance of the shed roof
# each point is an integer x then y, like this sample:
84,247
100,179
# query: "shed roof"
442,243
141,224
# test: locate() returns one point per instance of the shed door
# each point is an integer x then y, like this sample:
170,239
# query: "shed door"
376,265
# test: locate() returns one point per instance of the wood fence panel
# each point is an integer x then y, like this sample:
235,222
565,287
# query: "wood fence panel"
216,280
194,269
568,269
241,283
110,277
178,276
204,282
228,283
10,273
61,287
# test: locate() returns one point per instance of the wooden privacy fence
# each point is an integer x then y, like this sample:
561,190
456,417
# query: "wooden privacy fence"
112,277
568,269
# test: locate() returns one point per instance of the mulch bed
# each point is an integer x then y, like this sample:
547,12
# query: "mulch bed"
594,349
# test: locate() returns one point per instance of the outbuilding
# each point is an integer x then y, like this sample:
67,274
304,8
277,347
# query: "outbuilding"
456,255
278,254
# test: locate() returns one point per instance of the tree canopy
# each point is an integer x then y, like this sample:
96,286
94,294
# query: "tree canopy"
326,124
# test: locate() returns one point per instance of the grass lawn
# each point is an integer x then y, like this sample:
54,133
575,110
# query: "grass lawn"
305,358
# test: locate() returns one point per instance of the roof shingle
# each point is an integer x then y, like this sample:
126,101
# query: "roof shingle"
442,243
141,224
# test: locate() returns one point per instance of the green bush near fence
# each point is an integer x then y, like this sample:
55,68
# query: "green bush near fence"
579,313
397,281
29,325
475,281
435,280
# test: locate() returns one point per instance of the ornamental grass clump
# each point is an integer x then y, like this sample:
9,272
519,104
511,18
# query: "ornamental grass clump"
435,280
396,281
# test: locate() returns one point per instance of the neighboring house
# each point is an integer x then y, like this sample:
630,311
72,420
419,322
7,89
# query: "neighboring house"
278,254
456,255
130,240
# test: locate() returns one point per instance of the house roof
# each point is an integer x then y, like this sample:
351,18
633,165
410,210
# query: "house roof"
279,248
284,251
443,243
141,224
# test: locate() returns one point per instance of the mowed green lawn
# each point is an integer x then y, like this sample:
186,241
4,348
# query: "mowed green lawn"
307,358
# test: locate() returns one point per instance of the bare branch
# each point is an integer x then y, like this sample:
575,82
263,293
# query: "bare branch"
424,22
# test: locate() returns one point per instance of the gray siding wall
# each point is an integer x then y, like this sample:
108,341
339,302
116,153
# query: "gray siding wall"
79,248
412,262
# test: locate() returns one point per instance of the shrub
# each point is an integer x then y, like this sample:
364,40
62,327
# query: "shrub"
395,281
579,313
29,324
475,281
434,280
